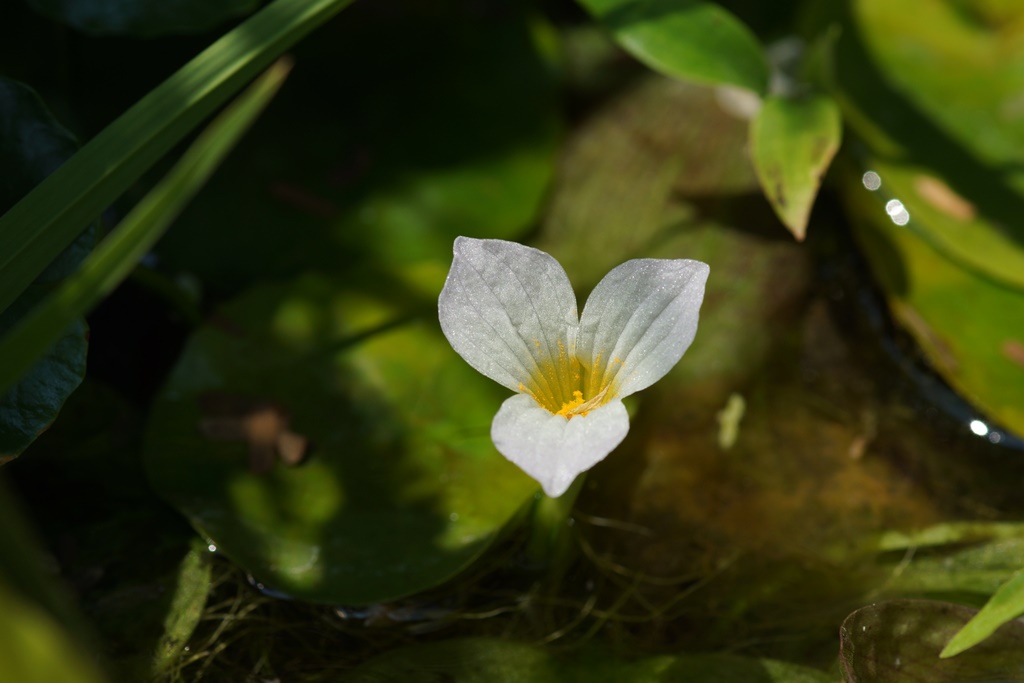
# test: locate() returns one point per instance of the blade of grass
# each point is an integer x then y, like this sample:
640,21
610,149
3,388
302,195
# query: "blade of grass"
115,257
46,220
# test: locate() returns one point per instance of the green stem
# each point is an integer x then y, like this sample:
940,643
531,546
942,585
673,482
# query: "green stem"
550,543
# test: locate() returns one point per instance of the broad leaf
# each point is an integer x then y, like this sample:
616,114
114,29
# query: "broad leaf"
32,145
970,328
935,99
686,39
400,486
792,144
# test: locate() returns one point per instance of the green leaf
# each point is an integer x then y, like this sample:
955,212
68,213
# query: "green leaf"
120,251
792,144
38,383
401,487
938,111
686,39
186,606
483,660
899,642
143,18
32,145
46,221
970,328
1006,605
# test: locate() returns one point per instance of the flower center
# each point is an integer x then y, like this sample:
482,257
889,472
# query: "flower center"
562,384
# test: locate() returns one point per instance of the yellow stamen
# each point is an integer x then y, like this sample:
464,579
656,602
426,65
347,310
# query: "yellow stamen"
568,408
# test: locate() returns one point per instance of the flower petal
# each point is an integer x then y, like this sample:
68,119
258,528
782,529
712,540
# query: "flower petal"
638,322
551,449
510,311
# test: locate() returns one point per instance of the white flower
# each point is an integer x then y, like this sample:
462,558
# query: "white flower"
510,312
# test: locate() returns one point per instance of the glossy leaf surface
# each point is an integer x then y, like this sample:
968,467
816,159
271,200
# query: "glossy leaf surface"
792,144
936,99
686,39
400,487
970,328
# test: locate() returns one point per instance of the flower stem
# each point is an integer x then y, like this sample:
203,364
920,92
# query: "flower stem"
550,543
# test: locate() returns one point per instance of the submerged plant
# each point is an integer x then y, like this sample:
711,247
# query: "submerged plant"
511,313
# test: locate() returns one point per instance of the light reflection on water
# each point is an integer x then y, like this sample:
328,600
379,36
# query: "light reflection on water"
897,212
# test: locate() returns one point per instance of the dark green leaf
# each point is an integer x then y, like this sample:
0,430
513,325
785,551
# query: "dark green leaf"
143,17
686,39
32,145
899,642
792,144
401,486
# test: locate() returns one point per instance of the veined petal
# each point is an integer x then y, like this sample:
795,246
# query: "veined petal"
638,322
552,449
510,311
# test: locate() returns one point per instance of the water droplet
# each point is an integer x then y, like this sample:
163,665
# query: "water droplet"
212,548
897,212
454,517
979,427
871,180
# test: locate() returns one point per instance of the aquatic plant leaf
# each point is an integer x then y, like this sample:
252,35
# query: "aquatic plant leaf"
1007,604
332,446
32,145
469,151
481,660
970,328
143,18
899,641
686,39
792,142
937,100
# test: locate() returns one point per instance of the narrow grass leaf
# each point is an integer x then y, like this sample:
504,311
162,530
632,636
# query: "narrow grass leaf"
1007,604
115,257
49,218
